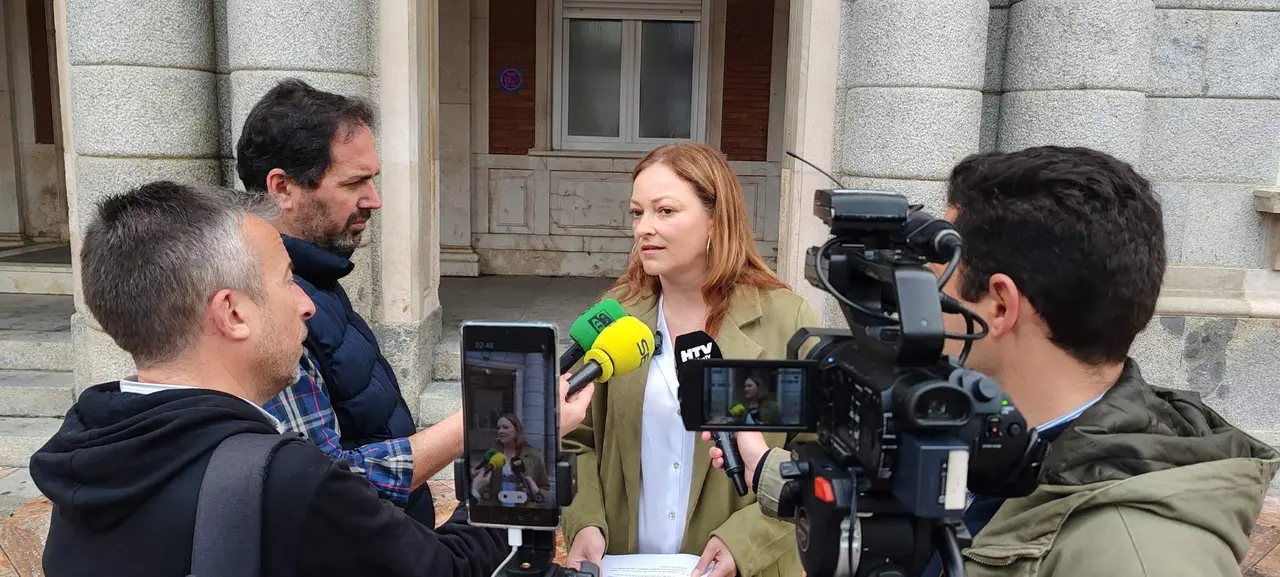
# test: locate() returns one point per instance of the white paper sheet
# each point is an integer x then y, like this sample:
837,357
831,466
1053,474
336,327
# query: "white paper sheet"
678,565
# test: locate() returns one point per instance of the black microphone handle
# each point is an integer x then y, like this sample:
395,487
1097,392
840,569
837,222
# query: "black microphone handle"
732,460
571,355
585,375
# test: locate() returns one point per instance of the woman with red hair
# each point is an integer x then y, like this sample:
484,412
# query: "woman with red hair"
643,480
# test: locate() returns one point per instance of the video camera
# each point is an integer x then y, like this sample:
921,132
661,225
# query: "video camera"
902,429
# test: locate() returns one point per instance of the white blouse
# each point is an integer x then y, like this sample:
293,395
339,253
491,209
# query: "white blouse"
666,455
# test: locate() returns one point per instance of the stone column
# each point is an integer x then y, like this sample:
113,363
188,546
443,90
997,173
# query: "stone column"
327,43
11,205
457,257
408,273
910,96
143,107
810,115
911,104
1076,73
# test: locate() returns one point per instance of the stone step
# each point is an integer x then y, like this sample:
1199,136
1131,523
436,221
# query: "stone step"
446,365
16,490
36,393
437,401
36,350
20,437
36,278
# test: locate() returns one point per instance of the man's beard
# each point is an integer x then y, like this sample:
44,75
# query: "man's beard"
314,226
278,364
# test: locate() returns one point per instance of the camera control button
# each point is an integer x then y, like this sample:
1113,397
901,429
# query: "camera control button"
993,427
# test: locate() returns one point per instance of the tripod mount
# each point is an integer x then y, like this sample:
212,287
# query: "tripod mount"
841,533
534,550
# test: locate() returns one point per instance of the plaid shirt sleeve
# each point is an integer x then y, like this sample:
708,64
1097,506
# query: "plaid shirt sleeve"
305,408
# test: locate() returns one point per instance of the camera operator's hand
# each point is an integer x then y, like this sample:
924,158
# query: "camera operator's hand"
572,411
588,545
751,446
717,552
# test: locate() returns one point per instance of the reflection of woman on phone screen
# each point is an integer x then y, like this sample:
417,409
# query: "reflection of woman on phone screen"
521,465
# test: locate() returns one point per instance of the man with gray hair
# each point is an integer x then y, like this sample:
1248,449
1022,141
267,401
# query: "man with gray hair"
196,285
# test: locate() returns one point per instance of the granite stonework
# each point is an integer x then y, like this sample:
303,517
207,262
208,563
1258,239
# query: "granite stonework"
115,32
1231,362
410,349
1212,140
165,97
910,99
142,98
1075,74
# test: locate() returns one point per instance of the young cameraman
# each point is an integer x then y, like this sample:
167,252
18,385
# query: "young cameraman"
1064,256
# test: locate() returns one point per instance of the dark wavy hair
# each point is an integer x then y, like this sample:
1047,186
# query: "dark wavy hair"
1081,234
292,128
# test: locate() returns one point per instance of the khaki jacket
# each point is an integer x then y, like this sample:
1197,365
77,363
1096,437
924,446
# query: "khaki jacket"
607,442
1148,482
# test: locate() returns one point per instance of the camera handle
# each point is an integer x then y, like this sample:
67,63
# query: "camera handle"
533,549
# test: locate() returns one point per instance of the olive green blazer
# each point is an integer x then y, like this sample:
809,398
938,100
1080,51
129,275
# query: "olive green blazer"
607,442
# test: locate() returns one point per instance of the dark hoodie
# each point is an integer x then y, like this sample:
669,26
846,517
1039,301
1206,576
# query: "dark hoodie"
124,477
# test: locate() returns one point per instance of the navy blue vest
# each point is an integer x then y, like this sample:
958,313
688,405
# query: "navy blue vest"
364,391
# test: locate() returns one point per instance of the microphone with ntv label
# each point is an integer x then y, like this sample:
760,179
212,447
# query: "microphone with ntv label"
700,345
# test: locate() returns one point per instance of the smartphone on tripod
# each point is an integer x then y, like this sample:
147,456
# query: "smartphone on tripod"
511,413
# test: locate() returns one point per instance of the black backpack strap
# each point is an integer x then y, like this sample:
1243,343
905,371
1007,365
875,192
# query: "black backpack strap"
228,530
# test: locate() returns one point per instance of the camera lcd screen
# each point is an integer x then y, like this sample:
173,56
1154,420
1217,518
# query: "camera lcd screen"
509,394
755,396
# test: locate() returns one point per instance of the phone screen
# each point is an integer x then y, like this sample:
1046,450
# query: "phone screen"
509,395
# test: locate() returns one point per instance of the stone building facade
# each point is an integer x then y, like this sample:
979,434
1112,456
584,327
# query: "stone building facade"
492,167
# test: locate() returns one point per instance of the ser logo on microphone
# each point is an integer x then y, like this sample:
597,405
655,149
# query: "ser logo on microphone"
643,347
696,352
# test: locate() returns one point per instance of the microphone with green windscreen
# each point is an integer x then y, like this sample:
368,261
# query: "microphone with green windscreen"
587,327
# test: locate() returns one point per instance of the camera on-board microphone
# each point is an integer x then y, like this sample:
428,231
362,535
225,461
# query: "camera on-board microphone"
904,431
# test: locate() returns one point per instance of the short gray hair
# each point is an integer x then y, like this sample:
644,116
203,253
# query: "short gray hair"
154,255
